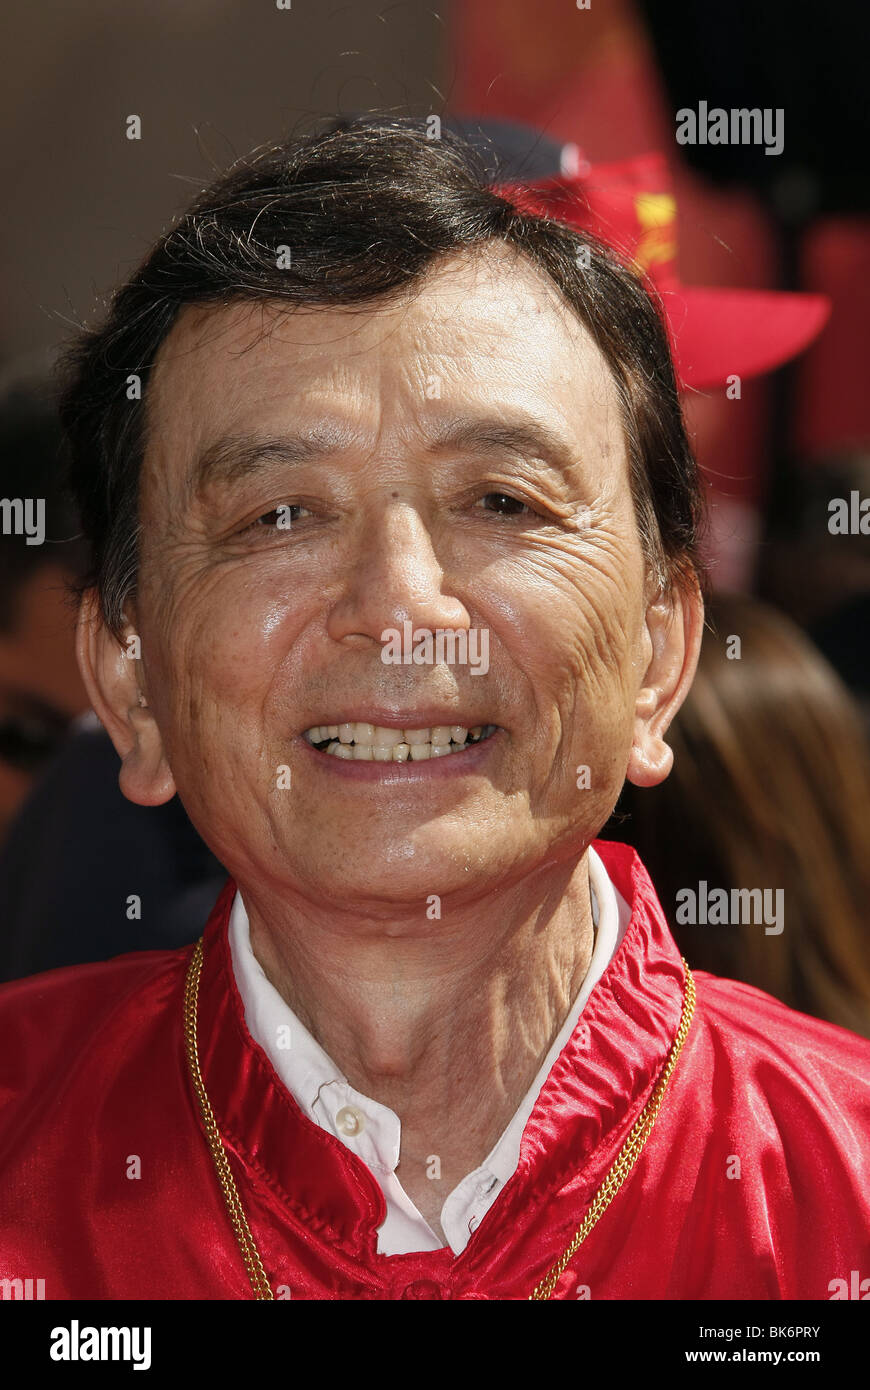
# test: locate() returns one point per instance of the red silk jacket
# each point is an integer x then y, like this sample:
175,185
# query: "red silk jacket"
754,1182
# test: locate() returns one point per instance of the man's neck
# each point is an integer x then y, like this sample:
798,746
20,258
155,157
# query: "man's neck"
446,1023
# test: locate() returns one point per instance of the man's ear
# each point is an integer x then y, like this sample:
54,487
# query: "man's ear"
114,679
675,626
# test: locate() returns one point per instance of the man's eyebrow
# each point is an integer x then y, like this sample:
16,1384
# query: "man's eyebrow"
496,434
234,456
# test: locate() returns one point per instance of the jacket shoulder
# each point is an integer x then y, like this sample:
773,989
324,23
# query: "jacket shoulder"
756,1017
775,1051
49,1021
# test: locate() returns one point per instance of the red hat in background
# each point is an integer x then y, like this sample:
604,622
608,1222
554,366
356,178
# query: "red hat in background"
715,333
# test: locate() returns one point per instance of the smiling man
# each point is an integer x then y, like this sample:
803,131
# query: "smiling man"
434,1042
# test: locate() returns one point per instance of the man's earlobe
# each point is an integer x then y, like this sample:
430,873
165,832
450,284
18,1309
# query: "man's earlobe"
113,673
674,625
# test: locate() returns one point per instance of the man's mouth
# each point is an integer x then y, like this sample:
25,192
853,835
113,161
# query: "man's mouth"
373,743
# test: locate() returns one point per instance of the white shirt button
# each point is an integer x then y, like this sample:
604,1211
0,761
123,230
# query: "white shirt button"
350,1121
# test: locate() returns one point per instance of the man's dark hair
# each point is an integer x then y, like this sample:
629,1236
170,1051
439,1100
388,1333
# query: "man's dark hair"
366,207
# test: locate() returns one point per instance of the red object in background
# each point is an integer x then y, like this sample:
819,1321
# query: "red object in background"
716,333
833,400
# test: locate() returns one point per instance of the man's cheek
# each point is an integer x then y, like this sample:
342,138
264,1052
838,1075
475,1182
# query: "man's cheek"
220,655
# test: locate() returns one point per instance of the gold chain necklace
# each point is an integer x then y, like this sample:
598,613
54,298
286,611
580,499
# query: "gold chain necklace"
618,1172
247,1245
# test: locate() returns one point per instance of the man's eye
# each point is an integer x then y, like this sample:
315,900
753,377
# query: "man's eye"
504,504
280,518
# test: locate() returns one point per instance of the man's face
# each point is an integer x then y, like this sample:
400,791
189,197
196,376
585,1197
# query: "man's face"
470,472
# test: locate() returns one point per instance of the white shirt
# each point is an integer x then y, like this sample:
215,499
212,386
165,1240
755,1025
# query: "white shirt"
373,1131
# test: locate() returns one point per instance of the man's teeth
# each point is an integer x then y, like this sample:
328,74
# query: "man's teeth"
371,743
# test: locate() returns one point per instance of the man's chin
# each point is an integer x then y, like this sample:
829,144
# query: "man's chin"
406,877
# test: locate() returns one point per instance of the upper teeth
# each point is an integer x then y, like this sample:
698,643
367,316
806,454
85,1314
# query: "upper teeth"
372,742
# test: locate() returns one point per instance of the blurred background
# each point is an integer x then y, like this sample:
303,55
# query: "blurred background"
602,84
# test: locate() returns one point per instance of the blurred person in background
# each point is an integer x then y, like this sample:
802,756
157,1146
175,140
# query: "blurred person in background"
770,788
41,691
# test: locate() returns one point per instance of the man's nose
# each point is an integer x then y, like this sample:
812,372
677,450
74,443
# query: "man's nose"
394,576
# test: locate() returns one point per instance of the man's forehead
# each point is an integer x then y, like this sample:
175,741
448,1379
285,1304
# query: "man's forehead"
490,290
487,321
